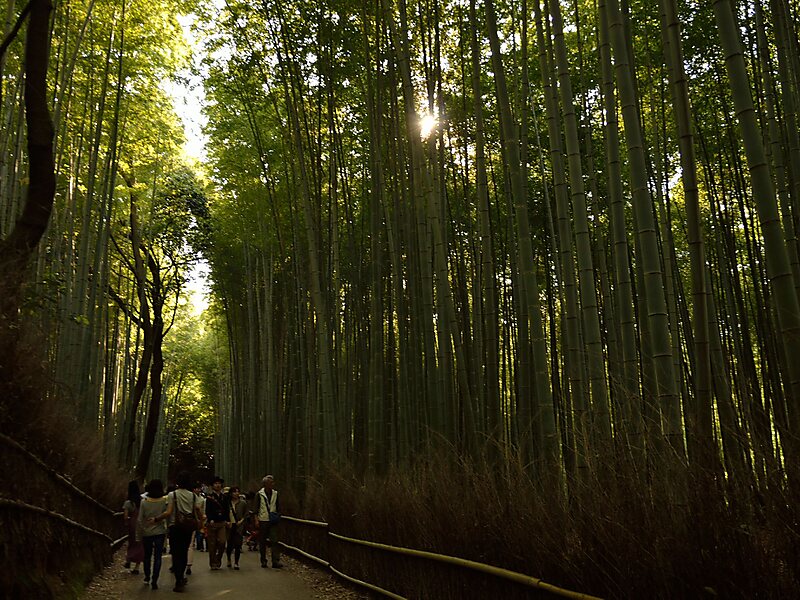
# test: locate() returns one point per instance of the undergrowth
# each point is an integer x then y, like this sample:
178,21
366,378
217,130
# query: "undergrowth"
39,416
668,534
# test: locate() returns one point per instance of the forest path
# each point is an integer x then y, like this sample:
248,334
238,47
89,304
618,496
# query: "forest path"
296,581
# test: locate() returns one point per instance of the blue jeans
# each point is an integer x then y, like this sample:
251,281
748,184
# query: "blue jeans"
153,547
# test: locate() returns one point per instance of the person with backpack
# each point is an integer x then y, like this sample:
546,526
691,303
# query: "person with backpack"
185,506
130,511
268,514
153,533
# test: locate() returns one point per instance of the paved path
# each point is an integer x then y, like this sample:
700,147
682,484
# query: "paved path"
250,582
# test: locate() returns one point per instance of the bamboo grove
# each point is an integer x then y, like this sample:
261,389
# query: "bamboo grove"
472,264
107,281
565,230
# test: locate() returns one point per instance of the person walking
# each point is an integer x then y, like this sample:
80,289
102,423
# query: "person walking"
216,523
268,513
130,512
237,512
170,522
184,505
153,533
199,536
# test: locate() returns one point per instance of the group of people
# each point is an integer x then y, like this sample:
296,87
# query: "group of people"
177,515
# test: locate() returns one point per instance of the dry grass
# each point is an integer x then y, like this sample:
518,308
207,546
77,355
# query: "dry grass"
34,414
39,415
610,535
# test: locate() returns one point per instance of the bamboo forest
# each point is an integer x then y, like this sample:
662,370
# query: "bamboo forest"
511,281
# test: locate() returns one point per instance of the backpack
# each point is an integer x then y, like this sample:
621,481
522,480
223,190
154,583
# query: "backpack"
183,521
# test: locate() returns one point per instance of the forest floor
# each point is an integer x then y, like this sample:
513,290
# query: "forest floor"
296,581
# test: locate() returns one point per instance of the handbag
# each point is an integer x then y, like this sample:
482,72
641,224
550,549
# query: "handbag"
185,522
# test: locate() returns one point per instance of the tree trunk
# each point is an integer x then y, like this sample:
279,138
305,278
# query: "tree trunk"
20,245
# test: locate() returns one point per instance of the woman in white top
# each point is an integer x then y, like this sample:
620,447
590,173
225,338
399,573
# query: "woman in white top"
153,532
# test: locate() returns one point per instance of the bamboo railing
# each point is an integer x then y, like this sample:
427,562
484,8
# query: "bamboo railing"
322,537
39,504
66,499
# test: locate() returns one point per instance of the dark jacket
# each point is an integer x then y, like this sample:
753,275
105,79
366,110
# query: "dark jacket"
216,508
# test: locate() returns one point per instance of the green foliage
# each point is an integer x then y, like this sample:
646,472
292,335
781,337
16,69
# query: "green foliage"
193,353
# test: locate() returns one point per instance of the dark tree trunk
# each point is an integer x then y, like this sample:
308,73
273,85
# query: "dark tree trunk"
140,274
17,250
156,368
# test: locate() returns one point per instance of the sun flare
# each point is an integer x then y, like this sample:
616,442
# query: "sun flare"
426,125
